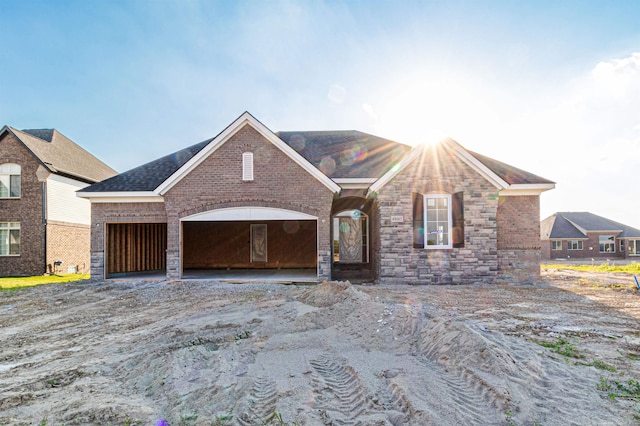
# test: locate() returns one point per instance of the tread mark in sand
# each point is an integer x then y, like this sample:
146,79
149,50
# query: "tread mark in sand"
261,404
350,397
470,394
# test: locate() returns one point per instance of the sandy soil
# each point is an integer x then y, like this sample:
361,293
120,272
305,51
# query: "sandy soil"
207,353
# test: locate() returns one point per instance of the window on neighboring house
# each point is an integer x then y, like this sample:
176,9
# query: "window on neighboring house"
634,247
607,243
10,180
621,246
247,166
556,245
438,221
9,238
574,245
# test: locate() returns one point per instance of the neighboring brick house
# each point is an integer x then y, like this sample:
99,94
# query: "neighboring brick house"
344,204
583,235
44,227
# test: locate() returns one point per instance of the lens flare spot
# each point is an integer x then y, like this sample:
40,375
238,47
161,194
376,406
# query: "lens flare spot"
344,227
298,142
355,214
291,226
327,165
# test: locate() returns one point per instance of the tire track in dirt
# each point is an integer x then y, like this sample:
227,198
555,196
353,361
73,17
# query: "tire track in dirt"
339,393
261,403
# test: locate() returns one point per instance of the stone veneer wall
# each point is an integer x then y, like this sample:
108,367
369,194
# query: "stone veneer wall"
103,213
278,182
519,245
27,210
69,243
397,262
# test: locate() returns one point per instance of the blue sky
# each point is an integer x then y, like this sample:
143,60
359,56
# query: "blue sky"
552,87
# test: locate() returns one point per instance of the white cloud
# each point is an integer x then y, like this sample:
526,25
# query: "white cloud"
592,143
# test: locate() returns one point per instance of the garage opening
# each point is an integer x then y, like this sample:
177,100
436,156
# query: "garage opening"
266,240
135,247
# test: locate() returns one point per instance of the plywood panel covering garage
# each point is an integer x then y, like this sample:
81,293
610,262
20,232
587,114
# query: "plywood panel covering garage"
136,247
216,245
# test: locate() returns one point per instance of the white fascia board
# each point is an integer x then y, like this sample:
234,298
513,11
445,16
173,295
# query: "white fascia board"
476,165
121,197
354,183
225,135
385,178
526,189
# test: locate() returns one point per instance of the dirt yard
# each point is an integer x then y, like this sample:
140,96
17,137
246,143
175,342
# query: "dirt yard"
206,353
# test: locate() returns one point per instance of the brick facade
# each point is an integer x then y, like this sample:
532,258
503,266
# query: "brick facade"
518,228
68,243
278,182
217,183
27,210
500,238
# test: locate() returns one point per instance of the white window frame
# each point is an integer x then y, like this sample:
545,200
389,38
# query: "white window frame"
247,166
604,244
554,243
634,247
579,244
436,197
5,241
7,172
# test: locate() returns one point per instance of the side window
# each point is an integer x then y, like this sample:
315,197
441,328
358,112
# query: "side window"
10,180
556,245
9,238
247,166
438,220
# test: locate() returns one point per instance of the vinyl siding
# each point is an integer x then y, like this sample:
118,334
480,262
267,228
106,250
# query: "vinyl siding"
62,203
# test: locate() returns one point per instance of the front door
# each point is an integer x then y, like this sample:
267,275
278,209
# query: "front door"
351,246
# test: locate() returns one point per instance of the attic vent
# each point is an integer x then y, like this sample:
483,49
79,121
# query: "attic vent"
247,166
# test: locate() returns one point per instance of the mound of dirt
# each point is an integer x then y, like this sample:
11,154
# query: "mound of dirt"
206,353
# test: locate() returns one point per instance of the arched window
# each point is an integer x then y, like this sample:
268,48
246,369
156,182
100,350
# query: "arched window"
10,180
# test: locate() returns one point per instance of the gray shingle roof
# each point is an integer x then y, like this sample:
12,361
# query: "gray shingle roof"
511,175
63,156
338,154
150,175
563,225
346,153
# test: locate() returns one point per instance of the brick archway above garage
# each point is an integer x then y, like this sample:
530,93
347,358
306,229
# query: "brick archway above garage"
248,213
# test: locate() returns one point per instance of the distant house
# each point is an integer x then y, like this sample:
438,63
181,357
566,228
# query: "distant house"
340,204
44,227
583,235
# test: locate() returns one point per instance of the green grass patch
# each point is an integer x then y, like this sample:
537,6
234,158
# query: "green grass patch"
13,283
627,389
562,347
630,268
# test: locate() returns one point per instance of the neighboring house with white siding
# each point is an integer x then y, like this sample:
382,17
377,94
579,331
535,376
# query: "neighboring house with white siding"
44,227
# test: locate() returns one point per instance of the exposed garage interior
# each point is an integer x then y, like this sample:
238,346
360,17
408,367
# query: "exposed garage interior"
135,247
274,244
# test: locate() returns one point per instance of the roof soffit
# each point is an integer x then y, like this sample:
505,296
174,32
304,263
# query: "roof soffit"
244,120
